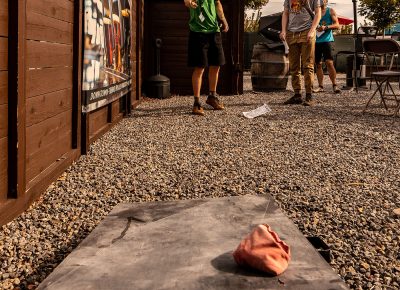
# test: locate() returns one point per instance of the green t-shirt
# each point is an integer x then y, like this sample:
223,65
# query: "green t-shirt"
204,17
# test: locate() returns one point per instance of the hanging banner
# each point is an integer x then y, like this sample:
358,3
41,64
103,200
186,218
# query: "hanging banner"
107,48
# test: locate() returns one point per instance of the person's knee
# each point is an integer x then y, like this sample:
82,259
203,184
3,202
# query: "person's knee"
329,63
198,71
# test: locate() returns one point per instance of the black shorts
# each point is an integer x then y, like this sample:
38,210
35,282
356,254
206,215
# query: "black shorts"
323,50
205,49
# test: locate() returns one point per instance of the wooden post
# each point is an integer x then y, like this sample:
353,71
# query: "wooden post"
16,98
77,74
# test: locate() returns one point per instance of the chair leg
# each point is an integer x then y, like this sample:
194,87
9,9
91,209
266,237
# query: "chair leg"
382,93
373,95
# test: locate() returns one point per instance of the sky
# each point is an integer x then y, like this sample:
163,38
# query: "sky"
342,7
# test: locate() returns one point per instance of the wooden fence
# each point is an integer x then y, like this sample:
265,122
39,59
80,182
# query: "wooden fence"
42,127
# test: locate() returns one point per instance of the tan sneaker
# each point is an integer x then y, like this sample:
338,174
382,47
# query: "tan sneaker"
309,101
198,109
215,103
336,90
318,90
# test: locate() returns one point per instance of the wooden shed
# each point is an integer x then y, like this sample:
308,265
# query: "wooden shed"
42,126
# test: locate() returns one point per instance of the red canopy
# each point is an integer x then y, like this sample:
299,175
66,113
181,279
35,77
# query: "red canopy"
344,20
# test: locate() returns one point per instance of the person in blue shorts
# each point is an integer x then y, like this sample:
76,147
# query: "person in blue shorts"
323,47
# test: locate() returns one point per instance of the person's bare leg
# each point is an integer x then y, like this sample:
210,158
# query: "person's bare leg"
212,100
197,77
332,74
320,75
213,74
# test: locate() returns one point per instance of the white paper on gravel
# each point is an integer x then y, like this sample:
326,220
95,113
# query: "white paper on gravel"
264,109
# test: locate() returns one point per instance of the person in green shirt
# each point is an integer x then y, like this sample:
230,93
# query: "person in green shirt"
205,48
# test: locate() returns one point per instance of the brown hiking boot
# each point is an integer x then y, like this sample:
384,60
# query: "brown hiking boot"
295,100
198,109
309,101
215,103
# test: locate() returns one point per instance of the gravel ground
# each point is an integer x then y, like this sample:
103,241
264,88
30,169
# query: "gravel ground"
334,171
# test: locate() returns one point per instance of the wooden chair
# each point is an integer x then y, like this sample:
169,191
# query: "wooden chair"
381,56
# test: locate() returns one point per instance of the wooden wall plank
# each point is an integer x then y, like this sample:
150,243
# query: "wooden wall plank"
47,155
43,133
4,18
43,81
3,53
41,27
3,169
40,108
3,120
47,54
97,120
3,87
59,9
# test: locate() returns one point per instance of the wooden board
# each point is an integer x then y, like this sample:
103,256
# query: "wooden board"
47,80
57,9
47,54
48,155
43,107
97,120
4,18
38,135
3,120
46,142
44,28
3,169
3,87
3,53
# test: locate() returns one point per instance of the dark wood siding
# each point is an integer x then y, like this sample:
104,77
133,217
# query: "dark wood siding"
168,20
49,71
3,99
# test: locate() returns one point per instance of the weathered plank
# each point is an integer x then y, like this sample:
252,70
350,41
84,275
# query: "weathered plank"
3,120
43,107
4,18
97,120
43,81
116,106
41,27
48,155
58,9
3,169
47,54
3,87
3,53
43,133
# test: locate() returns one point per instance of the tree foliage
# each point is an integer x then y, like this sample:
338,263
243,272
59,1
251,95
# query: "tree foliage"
383,13
255,4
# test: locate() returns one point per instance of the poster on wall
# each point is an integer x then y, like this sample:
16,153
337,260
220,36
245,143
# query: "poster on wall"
106,57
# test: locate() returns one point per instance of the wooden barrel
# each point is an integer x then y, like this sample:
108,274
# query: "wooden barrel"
269,69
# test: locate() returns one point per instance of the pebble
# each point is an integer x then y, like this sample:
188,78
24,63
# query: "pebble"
333,170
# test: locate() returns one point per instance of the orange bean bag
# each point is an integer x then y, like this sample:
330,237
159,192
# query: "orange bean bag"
262,249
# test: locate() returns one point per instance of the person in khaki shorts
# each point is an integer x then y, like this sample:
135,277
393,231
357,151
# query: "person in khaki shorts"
300,19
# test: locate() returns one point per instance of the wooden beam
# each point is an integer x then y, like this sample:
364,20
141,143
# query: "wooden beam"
16,98
77,74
